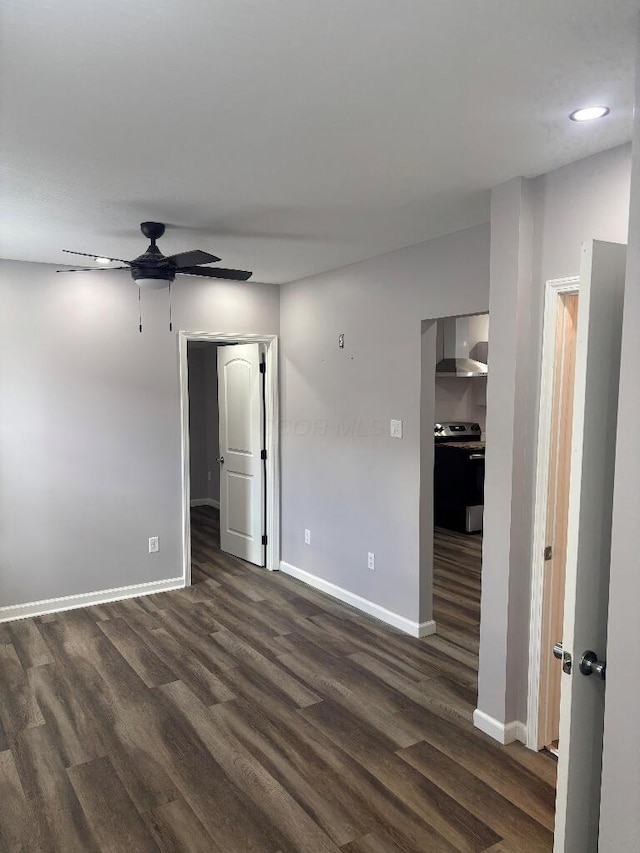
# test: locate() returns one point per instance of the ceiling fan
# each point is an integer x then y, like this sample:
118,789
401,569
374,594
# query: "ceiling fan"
154,270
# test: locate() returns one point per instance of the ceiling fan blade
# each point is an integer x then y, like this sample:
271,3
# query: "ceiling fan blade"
190,259
94,269
217,272
86,255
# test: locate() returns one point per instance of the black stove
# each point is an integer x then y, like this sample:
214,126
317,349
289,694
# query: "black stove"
456,431
459,476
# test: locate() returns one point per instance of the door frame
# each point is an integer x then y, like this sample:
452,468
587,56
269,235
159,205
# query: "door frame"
272,429
554,290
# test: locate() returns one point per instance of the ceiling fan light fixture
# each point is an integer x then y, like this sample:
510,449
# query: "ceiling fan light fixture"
103,260
152,283
589,113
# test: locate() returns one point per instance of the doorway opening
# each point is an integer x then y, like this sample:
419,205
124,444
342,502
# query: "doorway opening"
552,512
452,448
230,446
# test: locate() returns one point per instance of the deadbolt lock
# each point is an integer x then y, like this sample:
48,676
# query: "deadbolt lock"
565,657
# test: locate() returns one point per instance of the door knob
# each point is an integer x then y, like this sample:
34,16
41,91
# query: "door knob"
220,459
590,665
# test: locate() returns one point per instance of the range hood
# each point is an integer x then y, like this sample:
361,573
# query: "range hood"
454,349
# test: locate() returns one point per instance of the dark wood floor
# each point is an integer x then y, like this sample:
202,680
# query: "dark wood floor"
250,713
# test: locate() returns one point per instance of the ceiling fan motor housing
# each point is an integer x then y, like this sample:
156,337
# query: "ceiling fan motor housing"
152,270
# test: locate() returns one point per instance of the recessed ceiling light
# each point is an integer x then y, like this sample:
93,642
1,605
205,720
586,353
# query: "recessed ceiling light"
103,260
589,113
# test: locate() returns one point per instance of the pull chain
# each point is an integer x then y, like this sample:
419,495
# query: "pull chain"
170,322
139,310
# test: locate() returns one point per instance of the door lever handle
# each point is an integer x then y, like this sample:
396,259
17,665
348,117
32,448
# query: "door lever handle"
220,459
590,665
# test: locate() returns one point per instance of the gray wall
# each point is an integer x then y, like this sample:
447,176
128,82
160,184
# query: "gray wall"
343,477
203,420
90,430
620,804
459,400
538,227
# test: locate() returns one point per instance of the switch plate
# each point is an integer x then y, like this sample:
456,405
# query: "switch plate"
307,537
209,474
154,545
396,429
371,561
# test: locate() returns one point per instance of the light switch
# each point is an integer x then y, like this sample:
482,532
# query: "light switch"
396,429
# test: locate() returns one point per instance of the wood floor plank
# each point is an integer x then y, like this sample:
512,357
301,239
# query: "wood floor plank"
326,684
176,829
357,640
185,666
18,708
135,651
15,810
4,743
439,811
370,805
374,842
60,823
115,823
492,765
210,654
28,643
73,729
281,679
439,695
226,810
250,776
524,833
306,779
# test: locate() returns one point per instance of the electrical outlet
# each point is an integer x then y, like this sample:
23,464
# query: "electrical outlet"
307,537
371,561
396,429
154,545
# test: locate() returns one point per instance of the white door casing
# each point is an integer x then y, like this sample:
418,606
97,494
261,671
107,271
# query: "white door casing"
272,423
241,415
555,290
602,277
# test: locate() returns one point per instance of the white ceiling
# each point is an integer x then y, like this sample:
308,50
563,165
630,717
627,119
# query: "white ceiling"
292,136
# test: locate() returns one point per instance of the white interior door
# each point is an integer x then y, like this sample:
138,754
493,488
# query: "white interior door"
241,414
602,275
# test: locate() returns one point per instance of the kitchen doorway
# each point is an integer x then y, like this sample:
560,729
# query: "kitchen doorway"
452,447
237,472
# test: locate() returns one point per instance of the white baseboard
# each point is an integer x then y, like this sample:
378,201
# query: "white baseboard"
415,629
504,733
205,502
86,599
